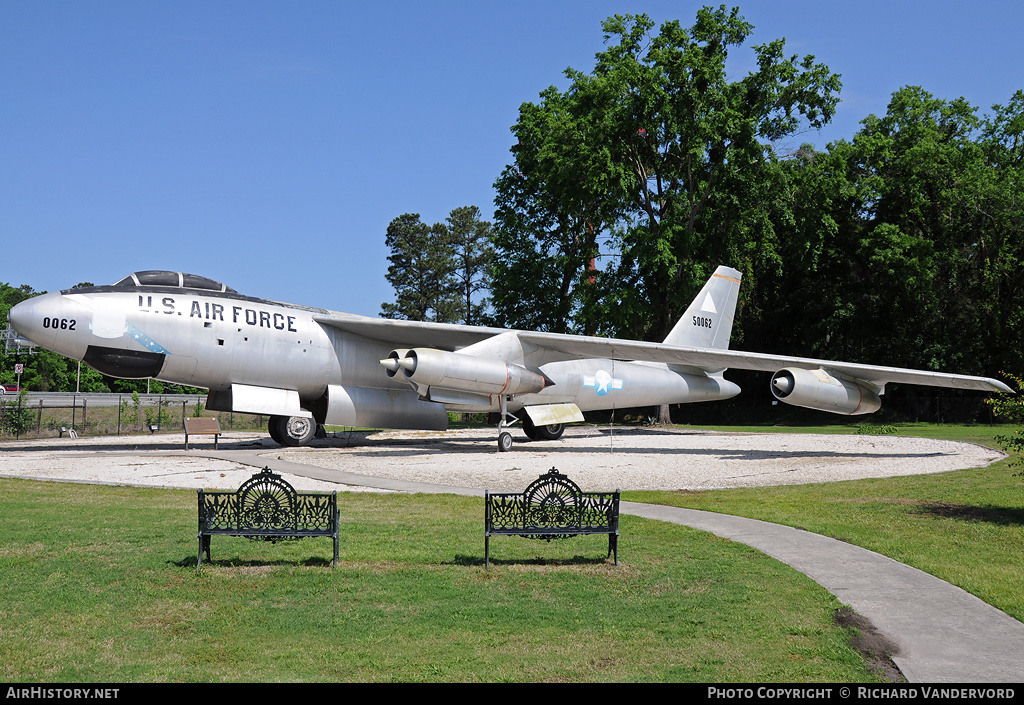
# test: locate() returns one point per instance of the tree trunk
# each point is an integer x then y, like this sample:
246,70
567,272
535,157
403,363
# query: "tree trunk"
664,417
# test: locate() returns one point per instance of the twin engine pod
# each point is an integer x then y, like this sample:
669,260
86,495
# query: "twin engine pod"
817,389
437,374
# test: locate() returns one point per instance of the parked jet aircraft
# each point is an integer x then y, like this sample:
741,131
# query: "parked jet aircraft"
308,366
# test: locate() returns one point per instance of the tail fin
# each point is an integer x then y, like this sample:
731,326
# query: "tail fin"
707,323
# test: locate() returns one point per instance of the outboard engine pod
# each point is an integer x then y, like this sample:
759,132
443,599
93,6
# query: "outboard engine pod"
817,389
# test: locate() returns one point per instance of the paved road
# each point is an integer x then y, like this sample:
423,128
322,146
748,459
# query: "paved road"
67,399
945,634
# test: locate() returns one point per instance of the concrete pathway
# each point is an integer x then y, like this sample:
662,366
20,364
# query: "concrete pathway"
944,633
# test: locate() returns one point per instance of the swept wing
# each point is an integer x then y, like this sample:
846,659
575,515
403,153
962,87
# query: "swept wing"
551,347
444,336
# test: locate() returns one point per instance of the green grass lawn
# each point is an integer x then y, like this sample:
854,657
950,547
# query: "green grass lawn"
99,584
966,527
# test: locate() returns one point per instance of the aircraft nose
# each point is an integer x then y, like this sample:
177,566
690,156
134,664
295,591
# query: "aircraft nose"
25,319
48,321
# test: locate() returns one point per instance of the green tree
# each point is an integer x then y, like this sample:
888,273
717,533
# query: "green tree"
441,271
904,242
470,239
661,159
422,263
551,204
1011,407
921,174
999,232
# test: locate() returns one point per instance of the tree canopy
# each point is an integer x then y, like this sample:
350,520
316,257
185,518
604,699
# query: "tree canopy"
901,245
651,161
439,271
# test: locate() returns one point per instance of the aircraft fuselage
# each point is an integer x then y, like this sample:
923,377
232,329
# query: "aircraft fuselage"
306,366
261,356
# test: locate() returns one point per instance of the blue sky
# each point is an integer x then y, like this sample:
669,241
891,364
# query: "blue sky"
268,145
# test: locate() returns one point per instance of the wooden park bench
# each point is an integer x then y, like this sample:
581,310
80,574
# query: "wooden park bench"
552,507
267,508
202,426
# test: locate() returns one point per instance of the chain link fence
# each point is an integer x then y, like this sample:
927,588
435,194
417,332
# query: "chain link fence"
58,415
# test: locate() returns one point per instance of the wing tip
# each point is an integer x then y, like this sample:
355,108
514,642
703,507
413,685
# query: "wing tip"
998,386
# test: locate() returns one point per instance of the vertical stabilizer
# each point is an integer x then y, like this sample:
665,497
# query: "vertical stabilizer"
707,323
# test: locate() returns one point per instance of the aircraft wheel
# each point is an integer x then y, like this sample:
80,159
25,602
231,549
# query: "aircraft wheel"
529,428
504,441
293,430
273,427
551,432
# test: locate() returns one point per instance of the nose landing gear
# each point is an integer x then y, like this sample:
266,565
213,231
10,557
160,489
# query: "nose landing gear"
504,437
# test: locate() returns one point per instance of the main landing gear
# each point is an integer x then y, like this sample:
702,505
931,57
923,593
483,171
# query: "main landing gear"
292,431
550,432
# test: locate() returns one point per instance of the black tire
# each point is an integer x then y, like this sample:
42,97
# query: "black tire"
551,432
273,427
529,429
504,441
292,431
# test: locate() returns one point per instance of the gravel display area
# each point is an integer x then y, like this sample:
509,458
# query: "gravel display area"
602,458
143,461
596,458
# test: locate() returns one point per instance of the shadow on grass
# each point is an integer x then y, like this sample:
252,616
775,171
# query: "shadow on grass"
254,565
536,561
1004,516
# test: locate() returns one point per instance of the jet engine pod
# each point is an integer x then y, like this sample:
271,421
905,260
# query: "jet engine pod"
379,408
392,363
817,389
427,367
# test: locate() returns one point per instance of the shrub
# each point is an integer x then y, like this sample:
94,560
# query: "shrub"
1011,407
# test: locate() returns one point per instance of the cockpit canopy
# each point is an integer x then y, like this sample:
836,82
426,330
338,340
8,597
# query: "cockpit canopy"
158,277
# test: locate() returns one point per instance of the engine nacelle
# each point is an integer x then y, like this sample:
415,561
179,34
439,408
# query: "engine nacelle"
378,408
427,367
817,389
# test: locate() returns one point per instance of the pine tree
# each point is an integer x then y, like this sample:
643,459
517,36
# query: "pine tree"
470,239
422,263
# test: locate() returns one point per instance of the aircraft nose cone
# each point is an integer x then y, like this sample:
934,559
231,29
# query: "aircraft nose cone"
24,319
49,321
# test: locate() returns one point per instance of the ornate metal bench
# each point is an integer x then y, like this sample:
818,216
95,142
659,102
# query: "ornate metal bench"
552,507
267,508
